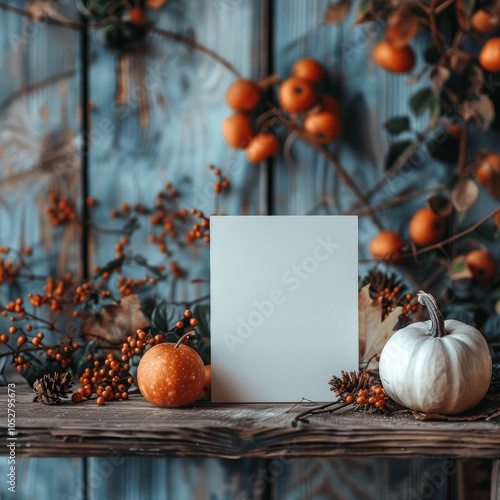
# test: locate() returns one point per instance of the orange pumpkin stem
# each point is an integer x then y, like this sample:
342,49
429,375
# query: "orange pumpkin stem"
437,321
192,333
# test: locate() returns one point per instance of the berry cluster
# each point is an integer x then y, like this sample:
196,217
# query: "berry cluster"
60,210
315,114
61,352
361,389
109,380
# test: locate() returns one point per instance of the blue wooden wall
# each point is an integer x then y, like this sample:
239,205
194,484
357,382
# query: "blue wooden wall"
166,126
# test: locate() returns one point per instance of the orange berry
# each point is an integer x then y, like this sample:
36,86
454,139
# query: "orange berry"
482,264
489,57
484,22
100,400
484,174
393,59
76,397
323,127
309,70
296,95
426,227
387,246
4,338
262,146
137,15
243,95
328,103
349,399
237,130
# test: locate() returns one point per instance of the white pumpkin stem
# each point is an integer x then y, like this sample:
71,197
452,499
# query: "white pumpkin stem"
437,321
192,333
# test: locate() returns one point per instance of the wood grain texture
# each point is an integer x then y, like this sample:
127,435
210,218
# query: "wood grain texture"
44,478
157,118
160,478
362,479
39,137
236,431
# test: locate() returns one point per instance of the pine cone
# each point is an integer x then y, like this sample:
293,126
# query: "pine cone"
52,387
495,380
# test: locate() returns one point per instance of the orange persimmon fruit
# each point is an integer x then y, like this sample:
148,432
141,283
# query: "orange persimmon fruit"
296,95
426,227
323,127
387,246
482,264
243,95
309,70
237,130
489,57
395,60
262,146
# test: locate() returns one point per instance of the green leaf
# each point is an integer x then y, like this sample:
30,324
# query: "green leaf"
160,317
457,266
202,314
397,125
395,151
422,101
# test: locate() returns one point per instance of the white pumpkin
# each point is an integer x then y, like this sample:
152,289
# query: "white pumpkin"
436,366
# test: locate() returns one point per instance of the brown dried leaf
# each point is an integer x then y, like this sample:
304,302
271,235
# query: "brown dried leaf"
464,195
439,76
440,205
481,110
115,322
402,27
336,13
373,332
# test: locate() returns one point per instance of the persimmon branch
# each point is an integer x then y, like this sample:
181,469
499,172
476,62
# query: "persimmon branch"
457,236
153,29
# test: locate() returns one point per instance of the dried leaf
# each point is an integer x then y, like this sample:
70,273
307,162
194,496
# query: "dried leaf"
439,76
336,13
402,27
440,205
115,322
481,110
464,195
373,332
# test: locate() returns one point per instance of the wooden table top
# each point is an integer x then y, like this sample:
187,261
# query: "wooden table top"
137,428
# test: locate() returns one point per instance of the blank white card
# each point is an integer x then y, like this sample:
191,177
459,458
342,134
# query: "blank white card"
284,306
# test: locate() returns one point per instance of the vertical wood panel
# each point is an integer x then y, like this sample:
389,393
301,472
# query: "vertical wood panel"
39,137
163,478
358,479
44,478
168,126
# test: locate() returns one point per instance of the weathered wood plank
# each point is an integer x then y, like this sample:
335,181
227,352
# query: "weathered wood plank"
235,431
160,478
363,479
39,137
44,478
167,125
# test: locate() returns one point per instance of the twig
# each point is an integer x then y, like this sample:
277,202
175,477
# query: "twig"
457,236
326,408
198,46
398,200
35,86
333,160
462,152
436,37
153,29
